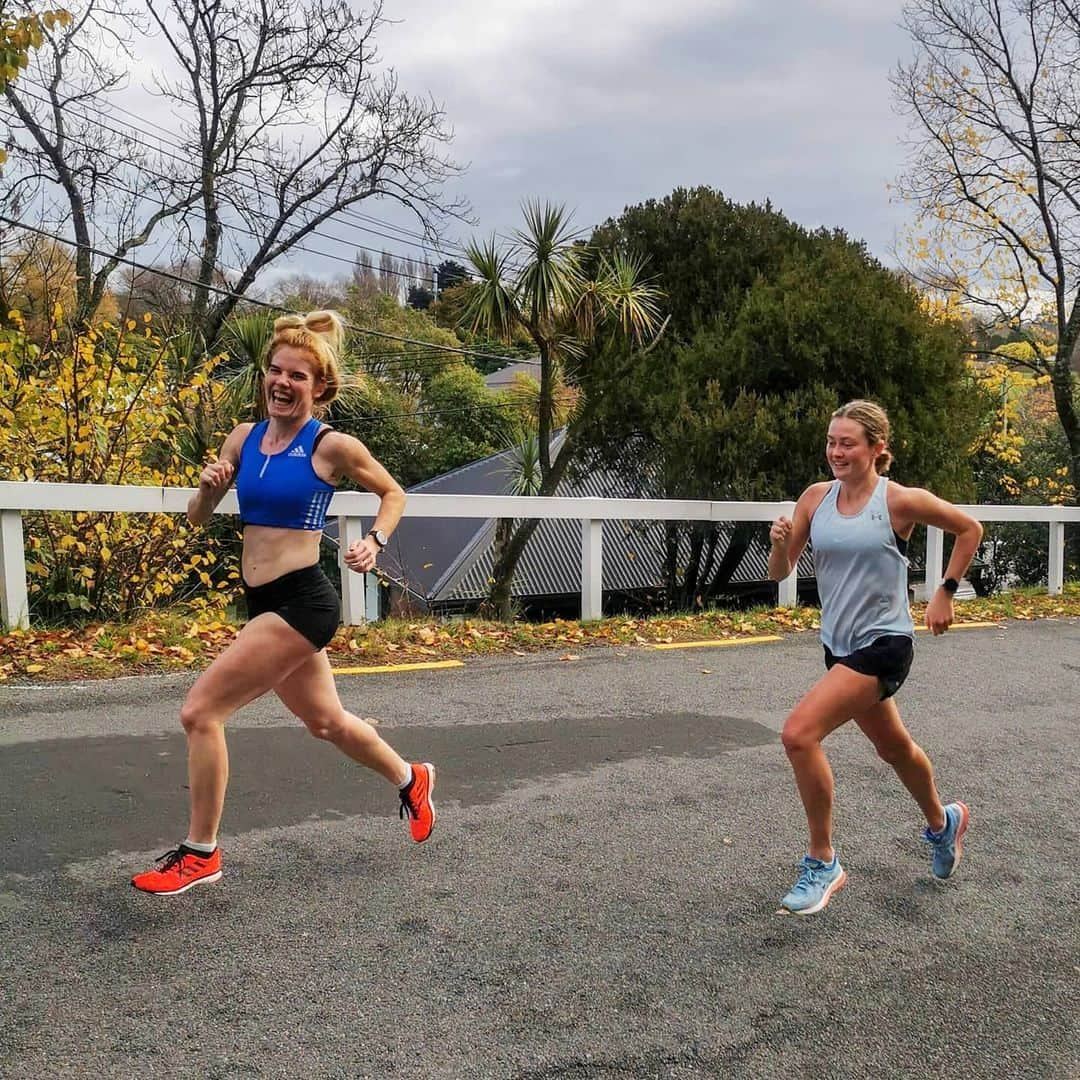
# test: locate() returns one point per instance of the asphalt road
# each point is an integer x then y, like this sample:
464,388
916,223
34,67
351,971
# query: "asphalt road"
599,898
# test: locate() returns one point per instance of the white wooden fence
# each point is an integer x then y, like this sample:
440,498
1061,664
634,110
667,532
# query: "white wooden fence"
353,509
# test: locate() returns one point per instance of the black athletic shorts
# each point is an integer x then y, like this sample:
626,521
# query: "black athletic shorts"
304,598
887,658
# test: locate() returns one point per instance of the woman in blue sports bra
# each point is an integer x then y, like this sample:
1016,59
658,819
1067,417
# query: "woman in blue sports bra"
286,469
858,525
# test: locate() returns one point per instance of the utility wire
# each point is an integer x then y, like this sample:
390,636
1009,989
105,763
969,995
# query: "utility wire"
116,184
522,402
421,243
218,290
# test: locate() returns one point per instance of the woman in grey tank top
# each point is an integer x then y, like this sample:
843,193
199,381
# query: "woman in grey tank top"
859,524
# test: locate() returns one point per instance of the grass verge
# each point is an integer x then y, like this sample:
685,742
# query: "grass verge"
173,641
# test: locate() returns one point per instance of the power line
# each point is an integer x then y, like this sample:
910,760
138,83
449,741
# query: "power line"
423,244
116,183
217,289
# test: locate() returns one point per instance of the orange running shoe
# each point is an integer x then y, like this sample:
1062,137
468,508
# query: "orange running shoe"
416,801
180,869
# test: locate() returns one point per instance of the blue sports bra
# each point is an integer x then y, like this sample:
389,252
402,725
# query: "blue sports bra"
283,490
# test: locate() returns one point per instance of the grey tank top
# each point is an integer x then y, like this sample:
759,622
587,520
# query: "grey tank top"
861,573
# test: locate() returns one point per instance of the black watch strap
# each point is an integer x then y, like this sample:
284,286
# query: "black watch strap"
379,537
950,585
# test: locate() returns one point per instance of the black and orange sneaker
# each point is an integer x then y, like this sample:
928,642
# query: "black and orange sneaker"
180,869
416,801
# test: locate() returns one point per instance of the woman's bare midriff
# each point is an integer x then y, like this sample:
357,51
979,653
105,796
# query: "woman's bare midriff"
269,552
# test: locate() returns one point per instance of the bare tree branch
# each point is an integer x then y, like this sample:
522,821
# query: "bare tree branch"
993,99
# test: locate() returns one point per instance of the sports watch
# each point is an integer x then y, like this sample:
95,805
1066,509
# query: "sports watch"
379,537
950,585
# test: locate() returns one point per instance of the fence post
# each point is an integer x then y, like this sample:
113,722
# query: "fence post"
787,590
14,605
935,562
371,597
353,591
592,569
1055,578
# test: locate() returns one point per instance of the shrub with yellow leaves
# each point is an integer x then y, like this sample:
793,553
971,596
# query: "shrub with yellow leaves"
1021,456
103,408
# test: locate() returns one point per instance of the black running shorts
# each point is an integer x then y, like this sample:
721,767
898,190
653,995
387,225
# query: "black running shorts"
304,598
887,658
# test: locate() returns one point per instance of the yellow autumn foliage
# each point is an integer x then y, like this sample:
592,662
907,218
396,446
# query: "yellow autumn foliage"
102,408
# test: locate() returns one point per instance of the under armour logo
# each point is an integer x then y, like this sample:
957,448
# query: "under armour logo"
297,451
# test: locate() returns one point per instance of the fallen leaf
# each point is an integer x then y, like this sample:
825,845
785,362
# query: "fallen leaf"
569,656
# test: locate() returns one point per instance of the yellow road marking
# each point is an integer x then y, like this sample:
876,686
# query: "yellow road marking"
431,665
962,626
721,643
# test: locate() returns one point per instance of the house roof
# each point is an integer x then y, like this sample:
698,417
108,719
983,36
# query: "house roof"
449,561
503,379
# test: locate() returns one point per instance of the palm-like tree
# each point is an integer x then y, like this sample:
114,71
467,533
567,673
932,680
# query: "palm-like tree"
567,298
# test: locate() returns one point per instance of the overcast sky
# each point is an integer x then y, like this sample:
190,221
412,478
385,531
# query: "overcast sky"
603,105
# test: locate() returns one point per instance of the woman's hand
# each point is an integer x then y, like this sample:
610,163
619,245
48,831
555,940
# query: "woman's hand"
780,532
940,613
361,555
215,479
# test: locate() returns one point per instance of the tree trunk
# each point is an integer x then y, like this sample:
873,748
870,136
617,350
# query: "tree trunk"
693,568
502,572
1062,381
738,546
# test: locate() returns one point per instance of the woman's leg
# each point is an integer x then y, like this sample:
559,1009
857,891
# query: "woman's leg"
251,665
882,725
310,694
839,695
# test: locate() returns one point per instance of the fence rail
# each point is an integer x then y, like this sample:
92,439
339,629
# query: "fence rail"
352,509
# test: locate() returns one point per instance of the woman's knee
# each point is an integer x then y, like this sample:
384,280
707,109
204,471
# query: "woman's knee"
798,735
196,717
329,726
895,751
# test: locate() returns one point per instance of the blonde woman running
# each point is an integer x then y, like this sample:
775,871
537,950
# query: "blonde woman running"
286,469
859,525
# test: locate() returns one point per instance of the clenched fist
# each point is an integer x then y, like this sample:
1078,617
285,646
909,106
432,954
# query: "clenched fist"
361,555
780,532
216,477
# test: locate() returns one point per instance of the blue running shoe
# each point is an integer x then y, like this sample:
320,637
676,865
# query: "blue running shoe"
947,844
814,888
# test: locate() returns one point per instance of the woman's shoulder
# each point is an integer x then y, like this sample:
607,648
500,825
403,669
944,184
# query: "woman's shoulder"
899,495
814,495
235,440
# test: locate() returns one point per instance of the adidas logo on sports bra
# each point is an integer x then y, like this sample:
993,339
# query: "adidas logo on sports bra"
297,451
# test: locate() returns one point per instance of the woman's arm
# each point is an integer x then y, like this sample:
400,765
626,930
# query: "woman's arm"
215,479
788,537
910,506
349,457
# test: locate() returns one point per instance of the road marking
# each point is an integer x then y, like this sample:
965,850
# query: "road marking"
962,626
719,644
431,665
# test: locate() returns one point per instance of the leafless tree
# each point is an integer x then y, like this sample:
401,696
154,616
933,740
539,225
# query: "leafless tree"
290,123
70,167
281,120
993,93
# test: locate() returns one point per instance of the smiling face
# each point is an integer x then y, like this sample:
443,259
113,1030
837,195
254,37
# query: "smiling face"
293,383
849,451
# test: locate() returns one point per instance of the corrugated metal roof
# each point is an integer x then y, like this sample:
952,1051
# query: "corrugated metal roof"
633,560
449,561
